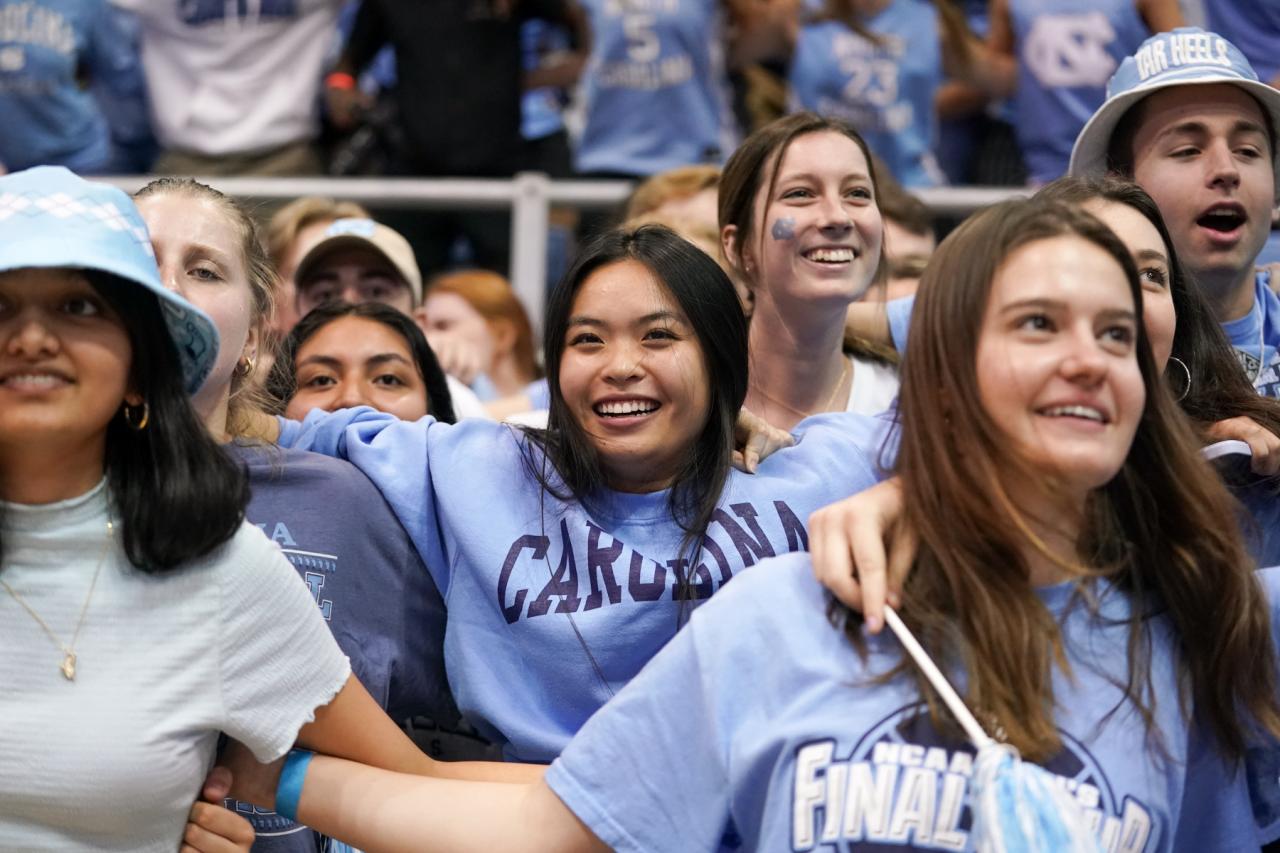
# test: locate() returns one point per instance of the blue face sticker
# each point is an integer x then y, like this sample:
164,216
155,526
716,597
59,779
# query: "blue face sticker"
784,229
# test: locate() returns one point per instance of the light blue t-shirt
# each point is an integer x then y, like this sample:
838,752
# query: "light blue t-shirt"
553,607
1270,253
1263,762
760,713
1256,337
885,90
899,313
1067,51
540,109
655,89
1254,27
49,118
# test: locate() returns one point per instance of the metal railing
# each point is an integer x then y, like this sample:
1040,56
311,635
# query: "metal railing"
528,195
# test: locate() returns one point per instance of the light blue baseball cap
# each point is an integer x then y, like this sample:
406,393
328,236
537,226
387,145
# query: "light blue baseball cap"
50,218
1187,56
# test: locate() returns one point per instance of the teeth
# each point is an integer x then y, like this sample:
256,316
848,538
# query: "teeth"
830,256
1074,412
626,407
37,380
1224,220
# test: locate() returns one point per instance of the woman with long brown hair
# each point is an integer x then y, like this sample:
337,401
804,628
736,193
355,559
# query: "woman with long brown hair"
1199,367
801,228
1070,537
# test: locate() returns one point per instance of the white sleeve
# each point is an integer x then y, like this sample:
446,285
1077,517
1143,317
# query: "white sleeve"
278,660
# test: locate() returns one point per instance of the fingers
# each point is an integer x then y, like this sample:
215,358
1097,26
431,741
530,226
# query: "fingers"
870,561
832,561
757,440
457,358
847,541
1263,444
904,545
214,829
217,785
756,446
1266,453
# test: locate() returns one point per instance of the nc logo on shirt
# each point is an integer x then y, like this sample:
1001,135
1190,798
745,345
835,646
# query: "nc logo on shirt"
1070,50
905,784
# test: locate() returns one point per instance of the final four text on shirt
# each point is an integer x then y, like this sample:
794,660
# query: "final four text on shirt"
1184,49
642,577
909,794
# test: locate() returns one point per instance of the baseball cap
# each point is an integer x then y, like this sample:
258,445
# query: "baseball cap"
1187,56
53,219
365,233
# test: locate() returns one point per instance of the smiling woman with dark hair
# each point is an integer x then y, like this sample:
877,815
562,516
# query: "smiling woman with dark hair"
568,556
139,615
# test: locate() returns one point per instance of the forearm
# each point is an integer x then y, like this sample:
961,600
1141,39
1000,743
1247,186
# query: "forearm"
354,727
488,771
379,811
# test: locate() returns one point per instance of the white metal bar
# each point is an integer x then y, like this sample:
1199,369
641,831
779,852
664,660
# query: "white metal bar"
529,214
528,195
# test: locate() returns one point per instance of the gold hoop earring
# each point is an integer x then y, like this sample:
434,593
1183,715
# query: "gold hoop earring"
245,367
133,420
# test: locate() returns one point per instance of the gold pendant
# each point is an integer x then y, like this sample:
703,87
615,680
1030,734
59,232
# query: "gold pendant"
69,667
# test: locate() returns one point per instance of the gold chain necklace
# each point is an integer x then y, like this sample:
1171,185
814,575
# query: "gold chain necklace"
68,666
835,392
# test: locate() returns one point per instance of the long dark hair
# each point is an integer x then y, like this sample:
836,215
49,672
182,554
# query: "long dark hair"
283,380
175,494
707,298
1219,389
1160,530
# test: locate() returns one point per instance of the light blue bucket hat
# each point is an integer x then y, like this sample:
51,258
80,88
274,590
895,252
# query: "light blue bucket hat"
50,218
1187,56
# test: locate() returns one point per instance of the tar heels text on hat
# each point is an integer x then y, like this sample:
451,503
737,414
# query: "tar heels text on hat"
1180,49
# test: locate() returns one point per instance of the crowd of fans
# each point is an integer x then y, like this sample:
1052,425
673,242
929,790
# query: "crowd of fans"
1049,439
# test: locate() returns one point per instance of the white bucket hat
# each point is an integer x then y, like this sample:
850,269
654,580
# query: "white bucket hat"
1187,56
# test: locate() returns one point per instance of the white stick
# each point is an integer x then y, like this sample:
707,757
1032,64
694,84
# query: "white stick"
939,681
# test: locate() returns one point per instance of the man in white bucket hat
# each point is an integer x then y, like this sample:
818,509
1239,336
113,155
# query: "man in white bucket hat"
1187,119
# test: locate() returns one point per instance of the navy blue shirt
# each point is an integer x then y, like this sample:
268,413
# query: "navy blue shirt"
369,583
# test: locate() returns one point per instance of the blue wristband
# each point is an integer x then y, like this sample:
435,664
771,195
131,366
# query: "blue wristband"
289,789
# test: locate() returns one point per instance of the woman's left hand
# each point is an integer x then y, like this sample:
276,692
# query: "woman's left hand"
755,440
211,827
1265,445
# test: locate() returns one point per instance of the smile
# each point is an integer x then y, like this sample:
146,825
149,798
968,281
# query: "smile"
830,255
33,381
630,408
1083,412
